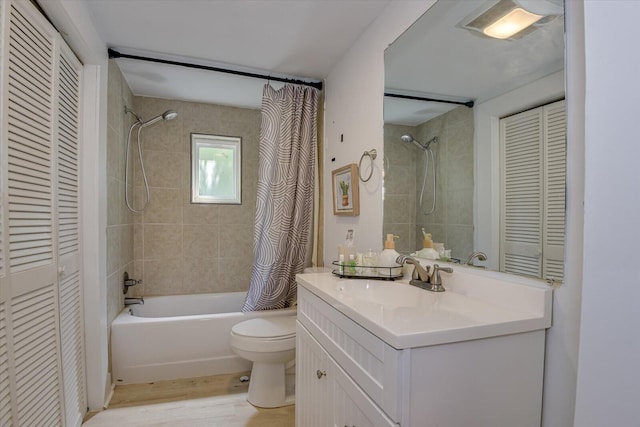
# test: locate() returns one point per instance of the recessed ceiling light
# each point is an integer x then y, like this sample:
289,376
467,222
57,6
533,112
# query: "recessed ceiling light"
511,23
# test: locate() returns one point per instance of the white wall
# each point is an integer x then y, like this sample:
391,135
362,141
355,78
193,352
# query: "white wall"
608,389
353,107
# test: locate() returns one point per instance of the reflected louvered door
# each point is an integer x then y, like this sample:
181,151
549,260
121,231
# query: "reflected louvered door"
533,155
30,286
70,290
555,167
521,193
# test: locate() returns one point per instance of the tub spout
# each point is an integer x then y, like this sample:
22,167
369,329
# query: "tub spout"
133,301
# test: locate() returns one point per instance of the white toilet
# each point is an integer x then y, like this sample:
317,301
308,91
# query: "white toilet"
270,343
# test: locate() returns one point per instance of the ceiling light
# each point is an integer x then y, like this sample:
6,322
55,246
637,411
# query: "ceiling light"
511,23
510,19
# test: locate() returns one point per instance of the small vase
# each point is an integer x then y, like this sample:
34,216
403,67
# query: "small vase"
345,200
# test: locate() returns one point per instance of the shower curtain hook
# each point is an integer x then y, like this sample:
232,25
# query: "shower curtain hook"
372,154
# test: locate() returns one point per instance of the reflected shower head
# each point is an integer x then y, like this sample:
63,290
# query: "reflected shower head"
167,115
410,139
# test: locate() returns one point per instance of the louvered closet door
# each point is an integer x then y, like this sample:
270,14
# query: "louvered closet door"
555,174
521,193
69,72
533,192
29,286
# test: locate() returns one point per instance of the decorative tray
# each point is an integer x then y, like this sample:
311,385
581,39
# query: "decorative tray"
366,272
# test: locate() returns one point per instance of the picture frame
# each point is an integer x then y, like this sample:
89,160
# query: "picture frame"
345,187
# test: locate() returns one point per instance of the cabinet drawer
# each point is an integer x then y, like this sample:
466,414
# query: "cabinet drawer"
373,364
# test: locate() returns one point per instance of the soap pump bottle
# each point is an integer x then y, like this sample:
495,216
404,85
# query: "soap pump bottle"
427,250
388,259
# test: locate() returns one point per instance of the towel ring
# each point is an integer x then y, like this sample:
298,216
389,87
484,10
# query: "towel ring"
372,154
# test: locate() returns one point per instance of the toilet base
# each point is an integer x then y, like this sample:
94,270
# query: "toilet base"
268,386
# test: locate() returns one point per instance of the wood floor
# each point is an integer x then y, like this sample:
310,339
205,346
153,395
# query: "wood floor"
207,401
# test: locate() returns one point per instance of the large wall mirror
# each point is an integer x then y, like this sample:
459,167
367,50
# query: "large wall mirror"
484,170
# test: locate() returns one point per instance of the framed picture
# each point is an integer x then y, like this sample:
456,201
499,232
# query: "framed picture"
346,198
215,169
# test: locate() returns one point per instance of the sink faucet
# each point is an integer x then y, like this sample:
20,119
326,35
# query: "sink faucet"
477,254
419,273
436,280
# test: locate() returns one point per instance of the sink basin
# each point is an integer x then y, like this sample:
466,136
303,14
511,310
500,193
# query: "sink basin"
406,316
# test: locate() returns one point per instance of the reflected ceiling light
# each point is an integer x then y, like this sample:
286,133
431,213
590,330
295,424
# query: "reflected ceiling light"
511,23
511,19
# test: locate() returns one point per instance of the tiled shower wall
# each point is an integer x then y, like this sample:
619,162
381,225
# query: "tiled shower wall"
399,188
180,247
119,230
452,220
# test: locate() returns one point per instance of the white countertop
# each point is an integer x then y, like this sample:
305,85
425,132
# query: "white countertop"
405,316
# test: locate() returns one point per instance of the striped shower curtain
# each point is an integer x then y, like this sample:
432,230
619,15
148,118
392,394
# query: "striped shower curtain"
284,209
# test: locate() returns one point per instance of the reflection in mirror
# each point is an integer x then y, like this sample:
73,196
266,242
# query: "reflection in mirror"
484,185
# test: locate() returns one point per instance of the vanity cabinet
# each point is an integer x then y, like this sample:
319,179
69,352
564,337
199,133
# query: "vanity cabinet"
329,396
347,376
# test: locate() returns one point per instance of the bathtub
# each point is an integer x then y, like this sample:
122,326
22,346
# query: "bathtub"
179,336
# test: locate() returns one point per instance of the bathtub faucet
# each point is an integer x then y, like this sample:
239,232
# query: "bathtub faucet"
133,301
128,282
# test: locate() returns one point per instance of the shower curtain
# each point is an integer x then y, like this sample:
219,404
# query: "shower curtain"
284,209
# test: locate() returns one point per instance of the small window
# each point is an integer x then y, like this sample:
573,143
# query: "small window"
215,169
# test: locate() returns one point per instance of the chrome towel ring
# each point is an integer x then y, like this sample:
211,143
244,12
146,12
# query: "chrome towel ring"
372,154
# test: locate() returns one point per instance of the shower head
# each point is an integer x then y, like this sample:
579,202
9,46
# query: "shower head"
167,115
409,139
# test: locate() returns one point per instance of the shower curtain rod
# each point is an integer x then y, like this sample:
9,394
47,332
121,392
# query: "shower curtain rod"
419,98
115,54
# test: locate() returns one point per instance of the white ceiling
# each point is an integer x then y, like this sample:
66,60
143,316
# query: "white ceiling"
306,38
435,57
297,38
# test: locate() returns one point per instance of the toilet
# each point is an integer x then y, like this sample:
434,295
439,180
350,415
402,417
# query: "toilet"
270,343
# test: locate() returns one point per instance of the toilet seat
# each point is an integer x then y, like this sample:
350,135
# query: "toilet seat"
269,328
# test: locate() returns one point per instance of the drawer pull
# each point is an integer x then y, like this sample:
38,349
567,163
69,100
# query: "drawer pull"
320,373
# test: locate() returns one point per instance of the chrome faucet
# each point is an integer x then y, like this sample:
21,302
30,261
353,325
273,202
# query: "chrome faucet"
419,273
132,301
127,282
436,280
477,254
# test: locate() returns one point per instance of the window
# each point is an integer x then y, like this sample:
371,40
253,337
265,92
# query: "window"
215,169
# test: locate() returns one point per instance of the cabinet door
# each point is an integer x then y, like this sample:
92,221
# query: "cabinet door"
351,406
313,399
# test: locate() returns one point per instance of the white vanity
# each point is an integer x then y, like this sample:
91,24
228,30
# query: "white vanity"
375,353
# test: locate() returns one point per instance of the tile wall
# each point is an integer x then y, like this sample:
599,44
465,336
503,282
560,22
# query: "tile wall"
180,247
399,188
119,230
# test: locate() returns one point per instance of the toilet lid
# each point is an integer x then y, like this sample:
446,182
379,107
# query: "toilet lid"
274,327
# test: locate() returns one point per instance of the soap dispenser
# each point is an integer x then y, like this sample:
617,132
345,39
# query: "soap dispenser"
427,250
388,259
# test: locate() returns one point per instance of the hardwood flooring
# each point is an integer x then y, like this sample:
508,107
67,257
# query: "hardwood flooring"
214,401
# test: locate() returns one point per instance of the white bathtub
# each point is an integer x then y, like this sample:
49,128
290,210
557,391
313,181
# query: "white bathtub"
179,336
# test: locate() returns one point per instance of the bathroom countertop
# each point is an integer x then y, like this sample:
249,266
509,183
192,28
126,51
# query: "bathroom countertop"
405,316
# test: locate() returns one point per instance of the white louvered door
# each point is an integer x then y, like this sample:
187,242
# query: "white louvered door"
39,125
521,193
555,175
69,72
533,162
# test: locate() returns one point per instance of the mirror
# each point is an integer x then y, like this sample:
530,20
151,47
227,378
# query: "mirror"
445,56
